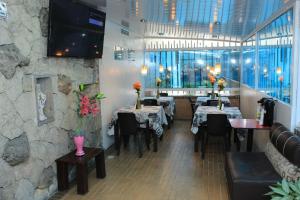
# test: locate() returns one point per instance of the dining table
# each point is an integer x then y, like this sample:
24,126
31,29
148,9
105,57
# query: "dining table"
202,100
200,117
167,102
154,114
246,124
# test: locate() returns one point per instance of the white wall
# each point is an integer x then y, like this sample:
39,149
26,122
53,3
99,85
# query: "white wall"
117,77
249,98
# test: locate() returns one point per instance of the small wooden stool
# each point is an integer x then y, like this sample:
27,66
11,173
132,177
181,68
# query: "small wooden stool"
81,168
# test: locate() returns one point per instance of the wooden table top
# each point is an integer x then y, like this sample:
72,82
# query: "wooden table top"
247,124
71,158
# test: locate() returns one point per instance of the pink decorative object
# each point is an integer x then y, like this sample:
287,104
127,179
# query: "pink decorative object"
79,141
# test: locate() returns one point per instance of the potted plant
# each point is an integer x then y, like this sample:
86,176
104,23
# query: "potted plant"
137,86
287,190
158,82
88,107
221,86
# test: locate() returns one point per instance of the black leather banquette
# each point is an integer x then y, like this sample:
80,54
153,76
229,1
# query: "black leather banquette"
249,175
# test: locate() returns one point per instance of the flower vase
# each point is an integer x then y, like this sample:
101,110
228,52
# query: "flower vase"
219,103
138,102
79,141
157,93
213,95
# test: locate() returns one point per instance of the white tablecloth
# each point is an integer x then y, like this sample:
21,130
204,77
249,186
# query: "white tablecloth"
202,111
155,114
170,108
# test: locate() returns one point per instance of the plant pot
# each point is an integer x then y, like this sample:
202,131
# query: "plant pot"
79,141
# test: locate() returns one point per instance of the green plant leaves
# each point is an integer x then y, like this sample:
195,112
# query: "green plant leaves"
100,96
285,186
81,87
285,190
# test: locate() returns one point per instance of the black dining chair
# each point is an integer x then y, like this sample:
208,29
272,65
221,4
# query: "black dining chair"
212,102
128,125
164,94
210,93
193,107
150,102
217,125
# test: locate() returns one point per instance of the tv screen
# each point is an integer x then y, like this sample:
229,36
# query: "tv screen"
75,30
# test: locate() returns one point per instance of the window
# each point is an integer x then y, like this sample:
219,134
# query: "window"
275,57
248,57
189,69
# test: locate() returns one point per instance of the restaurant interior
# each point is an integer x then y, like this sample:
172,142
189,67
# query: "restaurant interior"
149,99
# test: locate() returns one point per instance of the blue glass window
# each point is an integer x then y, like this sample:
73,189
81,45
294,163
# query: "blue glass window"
275,57
189,69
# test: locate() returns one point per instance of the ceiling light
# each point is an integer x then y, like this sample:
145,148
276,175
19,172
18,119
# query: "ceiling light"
233,61
161,69
278,70
218,68
169,69
144,70
248,60
200,62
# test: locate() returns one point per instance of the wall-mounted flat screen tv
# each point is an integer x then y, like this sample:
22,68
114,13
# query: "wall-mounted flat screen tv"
75,30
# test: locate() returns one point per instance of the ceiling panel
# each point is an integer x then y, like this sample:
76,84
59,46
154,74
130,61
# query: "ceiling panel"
235,18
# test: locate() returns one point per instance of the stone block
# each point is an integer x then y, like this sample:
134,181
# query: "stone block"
46,178
6,174
25,190
10,58
41,194
27,83
43,18
16,150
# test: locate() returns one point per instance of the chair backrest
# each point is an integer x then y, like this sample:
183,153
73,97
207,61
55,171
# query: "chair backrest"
209,94
127,123
217,124
150,102
164,94
212,102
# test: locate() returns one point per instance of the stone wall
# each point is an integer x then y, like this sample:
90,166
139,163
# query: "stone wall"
28,151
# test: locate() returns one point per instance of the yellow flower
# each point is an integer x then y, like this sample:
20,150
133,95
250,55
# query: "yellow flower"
158,82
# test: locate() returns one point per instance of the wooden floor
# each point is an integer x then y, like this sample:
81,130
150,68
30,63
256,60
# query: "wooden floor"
175,172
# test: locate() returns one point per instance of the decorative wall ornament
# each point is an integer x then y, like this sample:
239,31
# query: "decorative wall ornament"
44,100
64,84
41,102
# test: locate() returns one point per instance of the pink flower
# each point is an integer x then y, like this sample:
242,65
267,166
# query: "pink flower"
84,110
85,100
94,109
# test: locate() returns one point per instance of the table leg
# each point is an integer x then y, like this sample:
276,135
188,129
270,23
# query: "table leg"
62,176
82,178
117,138
154,142
250,140
237,141
100,165
196,142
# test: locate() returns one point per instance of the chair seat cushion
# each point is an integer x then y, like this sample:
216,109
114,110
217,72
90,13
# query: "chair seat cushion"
249,175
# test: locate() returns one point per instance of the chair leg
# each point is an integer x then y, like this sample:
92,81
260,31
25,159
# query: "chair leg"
196,142
229,139
140,145
148,139
154,141
126,141
203,144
